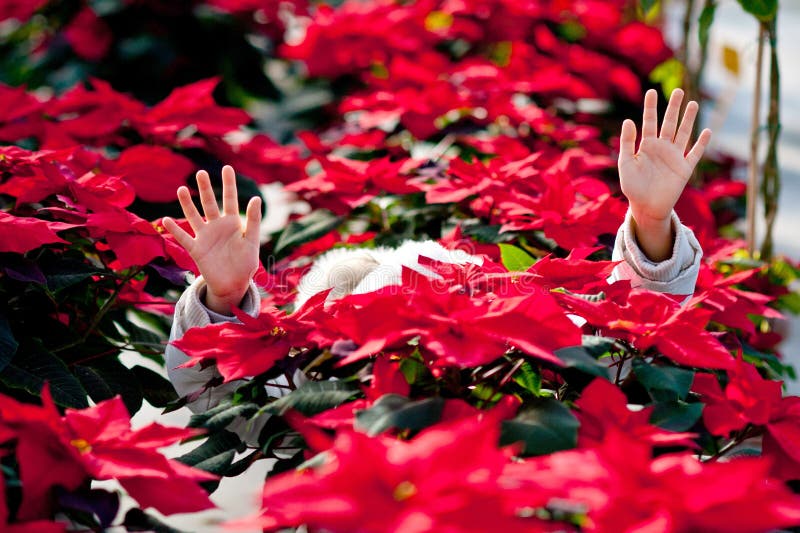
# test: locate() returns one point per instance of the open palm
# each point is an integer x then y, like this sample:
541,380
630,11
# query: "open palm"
653,178
224,248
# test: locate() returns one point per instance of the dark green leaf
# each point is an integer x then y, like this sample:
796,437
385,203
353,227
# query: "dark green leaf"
95,385
764,10
143,339
223,414
704,22
138,520
8,344
217,444
490,234
597,346
68,272
121,380
32,367
545,427
395,411
157,390
676,416
515,259
313,397
664,383
579,358
310,227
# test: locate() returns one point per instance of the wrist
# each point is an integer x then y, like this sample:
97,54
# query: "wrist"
223,303
654,235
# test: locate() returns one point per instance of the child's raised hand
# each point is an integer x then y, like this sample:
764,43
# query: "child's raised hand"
224,249
654,177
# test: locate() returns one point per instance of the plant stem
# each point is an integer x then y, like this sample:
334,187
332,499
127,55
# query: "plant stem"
100,313
771,183
752,167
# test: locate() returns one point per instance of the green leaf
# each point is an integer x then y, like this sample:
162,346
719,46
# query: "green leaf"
647,5
121,380
413,368
68,272
676,416
490,234
527,378
96,387
157,390
218,417
313,397
395,411
310,227
545,427
664,383
32,367
8,344
704,23
515,259
580,358
763,10
143,339
669,75
215,455
138,520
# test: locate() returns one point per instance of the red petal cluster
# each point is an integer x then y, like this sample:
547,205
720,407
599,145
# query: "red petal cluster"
97,443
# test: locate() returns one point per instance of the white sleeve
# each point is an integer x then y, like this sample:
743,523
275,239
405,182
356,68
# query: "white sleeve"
676,275
190,312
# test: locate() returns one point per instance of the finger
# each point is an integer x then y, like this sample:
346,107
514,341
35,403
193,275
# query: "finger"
183,238
627,140
687,124
189,210
694,155
650,118
230,200
207,198
251,231
671,115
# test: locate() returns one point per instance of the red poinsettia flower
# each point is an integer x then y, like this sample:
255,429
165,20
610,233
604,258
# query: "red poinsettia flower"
89,35
574,272
622,489
648,319
243,349
109,449
21,10
733,305
603,405
154,172
134,240
97,442
750,399
19,112
445,479
345,184
455,328
37,526
191,106
84,116
22,234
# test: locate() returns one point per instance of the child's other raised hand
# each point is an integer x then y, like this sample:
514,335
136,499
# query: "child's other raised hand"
224,248
654,177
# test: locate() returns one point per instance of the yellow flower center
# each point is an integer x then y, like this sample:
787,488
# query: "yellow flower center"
82,445
404,491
